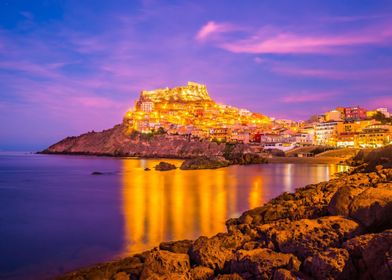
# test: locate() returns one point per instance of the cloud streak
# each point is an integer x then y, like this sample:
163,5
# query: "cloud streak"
211,29
278,40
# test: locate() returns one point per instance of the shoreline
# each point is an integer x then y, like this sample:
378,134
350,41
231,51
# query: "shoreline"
270,160
295,235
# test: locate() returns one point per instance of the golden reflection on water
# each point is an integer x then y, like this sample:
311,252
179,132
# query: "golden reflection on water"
173,205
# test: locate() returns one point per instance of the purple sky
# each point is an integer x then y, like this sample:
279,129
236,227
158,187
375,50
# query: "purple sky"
67,67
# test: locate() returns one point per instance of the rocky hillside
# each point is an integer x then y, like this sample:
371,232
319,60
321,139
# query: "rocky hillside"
340,229
116,142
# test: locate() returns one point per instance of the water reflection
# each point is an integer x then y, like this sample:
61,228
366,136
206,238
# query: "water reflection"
179,204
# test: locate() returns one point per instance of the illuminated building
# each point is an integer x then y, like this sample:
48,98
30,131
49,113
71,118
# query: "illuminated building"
374,136
355,113
325,133
190,110
333,115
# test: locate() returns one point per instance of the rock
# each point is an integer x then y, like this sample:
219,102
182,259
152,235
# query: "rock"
160,264
96,173
284,274
147,169
306,237
201,273
371,206
181,246
212,162
215,251
341,200
261,263
130,267
164,166
121,276
372,255
233,276
333,263
312,201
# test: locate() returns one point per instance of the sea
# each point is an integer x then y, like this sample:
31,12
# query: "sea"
55,216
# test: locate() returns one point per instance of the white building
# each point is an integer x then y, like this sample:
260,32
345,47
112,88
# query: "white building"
325,133
384,111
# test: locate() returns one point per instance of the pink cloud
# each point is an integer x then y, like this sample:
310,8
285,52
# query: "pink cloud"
272,40
331,73
212,28
306,97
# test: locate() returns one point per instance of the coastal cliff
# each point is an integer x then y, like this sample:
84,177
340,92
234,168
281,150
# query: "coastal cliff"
117,142
339,229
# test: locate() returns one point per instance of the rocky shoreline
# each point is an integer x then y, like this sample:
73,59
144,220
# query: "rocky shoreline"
116,142
339,229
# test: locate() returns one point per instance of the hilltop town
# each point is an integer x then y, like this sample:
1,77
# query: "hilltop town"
189,111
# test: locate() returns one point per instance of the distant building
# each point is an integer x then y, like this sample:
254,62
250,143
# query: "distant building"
384,111
355,113
325,133
146,106
373,136
333,115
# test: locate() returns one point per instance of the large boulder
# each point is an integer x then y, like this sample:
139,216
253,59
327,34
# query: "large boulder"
160,264
372,255
181,246
261,263
306,237
371,206
215,251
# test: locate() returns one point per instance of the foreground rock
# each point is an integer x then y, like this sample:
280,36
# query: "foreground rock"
340,229
164,166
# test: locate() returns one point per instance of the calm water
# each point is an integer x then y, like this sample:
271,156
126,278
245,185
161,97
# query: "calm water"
56,216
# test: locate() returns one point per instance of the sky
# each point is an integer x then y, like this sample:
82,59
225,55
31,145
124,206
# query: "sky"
68,67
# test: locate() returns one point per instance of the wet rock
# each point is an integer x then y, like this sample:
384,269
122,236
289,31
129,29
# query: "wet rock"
164,166
160,264
261,263
212,162
306,237
201,273
215,251
372,255
333,263
181,246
